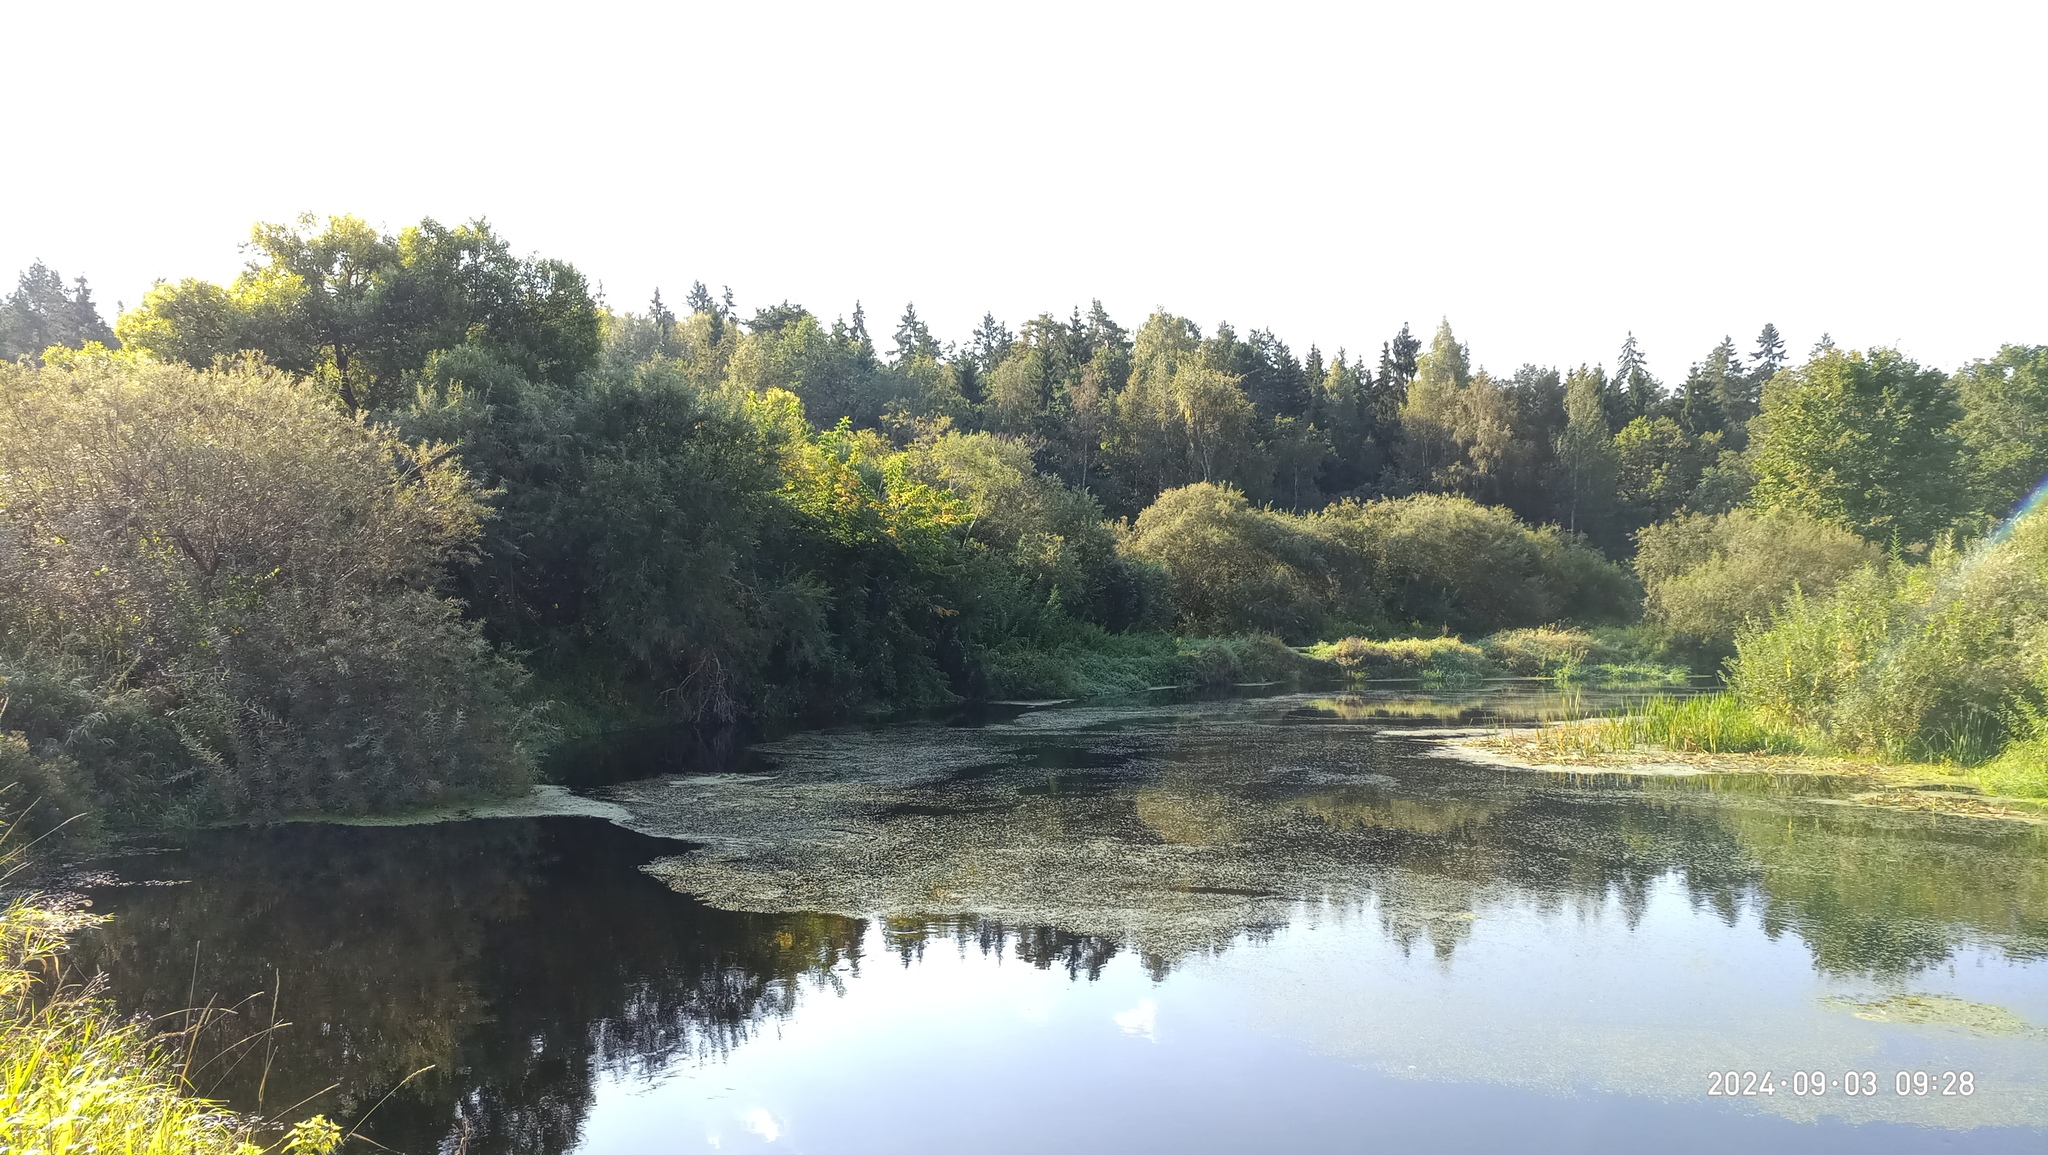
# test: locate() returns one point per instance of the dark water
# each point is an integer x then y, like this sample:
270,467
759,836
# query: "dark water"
1261,924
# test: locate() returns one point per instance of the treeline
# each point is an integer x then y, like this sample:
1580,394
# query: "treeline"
344,503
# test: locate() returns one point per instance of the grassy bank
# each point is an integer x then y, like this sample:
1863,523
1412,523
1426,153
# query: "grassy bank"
1612,657
1095,662
76,1078
73,1076
1720,732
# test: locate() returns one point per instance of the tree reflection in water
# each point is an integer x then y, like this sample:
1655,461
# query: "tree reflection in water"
518,957
523,959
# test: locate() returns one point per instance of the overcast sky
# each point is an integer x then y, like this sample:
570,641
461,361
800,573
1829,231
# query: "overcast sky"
1548,176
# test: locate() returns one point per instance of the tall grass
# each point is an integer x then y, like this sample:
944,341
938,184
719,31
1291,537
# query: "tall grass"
1943,662
73,1077
1704,723
78,1079
1445,660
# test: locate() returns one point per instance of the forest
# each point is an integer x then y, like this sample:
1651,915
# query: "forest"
376,524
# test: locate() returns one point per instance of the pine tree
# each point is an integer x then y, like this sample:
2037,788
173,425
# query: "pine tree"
1713,398
858,332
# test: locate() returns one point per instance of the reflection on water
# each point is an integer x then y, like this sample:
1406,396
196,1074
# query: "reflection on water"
1208,925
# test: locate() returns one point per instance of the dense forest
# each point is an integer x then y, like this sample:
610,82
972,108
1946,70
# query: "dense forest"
373,524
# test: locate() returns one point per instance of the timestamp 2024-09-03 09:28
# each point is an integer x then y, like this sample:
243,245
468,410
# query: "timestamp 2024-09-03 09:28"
1855,1084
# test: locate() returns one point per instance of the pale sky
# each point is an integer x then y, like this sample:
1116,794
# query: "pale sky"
1548,176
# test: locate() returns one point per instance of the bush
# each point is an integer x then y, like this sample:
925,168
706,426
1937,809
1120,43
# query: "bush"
1232,567
1705,575
217,596
1941,661
1426,562
1449,563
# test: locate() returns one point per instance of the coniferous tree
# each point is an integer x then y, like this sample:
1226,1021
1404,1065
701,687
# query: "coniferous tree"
913,339
1586,458
40,313
1768,358
1638,391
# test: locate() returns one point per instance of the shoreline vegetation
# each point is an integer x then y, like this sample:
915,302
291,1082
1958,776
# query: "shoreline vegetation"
1582,747
77,1077
377,524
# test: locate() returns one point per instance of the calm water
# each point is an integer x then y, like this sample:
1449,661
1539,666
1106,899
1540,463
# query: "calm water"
1252,924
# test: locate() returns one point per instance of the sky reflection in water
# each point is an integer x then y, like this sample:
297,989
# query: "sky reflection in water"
1223,925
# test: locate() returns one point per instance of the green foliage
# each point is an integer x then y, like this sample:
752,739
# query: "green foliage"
1544,651
1659,463
218,595
1233,567
1587,457
2005,424
1705,575
1443,562
75,1078
1436,660
2020,771
1707,723
1936,662
1449,563
357,310
40,313
1863,441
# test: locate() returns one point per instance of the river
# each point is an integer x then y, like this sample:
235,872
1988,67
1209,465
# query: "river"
1271,921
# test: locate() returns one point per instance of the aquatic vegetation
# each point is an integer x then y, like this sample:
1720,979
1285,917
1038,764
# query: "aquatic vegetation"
1709,723
1935,1010
1541,651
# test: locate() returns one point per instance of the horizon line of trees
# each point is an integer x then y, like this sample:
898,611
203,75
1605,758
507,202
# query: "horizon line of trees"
710,518
1125,414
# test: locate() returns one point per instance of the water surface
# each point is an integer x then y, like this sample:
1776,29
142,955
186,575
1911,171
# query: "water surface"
1197,925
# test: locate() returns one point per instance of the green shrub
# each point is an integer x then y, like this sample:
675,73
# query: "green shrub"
1094,662
1542,651
1453,564
1233,567
1704,575
1935,662
218,595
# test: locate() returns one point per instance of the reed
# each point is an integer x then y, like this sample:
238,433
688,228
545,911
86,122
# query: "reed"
78,1079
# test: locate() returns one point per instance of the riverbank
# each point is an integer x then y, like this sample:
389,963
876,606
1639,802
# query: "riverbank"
1585,746
77,1077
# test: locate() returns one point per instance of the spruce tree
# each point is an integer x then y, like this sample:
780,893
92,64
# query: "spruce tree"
1768,358
1640,392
